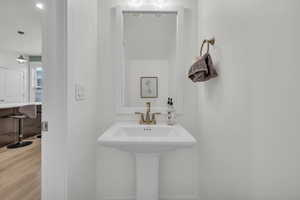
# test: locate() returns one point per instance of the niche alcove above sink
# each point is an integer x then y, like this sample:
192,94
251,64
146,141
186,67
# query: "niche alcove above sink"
148,47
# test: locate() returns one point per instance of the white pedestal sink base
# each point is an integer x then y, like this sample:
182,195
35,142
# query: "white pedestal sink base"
147,175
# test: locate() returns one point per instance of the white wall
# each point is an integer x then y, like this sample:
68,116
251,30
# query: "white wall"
20,15
116,170
249,115
70,57
8,58
146,68
55,111
82,31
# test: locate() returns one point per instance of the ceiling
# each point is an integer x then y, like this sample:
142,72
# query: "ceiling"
20,15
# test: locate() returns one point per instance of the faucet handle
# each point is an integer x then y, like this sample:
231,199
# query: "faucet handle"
153,117
141,117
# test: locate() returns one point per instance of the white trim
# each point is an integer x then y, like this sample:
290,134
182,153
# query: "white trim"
119,64
162,197
54,142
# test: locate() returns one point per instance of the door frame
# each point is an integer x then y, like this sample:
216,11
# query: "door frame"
55,106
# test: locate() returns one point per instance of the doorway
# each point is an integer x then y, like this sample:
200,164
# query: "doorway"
21,97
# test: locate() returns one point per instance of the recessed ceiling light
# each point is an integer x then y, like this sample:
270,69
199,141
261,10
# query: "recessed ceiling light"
40,5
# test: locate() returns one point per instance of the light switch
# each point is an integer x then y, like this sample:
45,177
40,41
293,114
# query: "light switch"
79,92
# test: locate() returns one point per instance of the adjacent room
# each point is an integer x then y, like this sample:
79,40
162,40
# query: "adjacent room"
21,94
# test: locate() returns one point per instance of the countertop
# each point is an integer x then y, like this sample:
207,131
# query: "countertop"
15,105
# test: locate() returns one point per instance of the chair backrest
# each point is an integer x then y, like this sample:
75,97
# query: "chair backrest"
29,110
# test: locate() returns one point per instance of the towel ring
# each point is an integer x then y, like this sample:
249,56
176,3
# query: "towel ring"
209,42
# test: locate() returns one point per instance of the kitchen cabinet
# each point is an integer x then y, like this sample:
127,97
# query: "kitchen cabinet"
12,85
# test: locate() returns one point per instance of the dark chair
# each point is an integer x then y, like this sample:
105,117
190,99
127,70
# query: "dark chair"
24,112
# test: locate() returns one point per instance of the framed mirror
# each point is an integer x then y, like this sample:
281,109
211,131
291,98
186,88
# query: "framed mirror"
148,42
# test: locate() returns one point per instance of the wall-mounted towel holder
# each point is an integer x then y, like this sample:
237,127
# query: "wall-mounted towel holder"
208,42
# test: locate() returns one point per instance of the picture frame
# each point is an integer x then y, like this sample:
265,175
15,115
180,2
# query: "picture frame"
149,87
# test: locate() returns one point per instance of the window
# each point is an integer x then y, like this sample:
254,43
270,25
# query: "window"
36,90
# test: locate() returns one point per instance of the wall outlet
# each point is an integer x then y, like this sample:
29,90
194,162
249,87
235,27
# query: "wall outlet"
79,92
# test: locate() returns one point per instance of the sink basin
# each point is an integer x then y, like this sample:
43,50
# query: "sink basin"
136,138
146,142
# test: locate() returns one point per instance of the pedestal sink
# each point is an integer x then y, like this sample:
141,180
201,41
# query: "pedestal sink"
146,142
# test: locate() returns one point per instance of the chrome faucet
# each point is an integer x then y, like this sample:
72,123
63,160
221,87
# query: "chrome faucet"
148,120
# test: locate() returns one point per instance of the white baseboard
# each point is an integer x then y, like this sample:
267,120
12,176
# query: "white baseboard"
164,197
118,198
179,197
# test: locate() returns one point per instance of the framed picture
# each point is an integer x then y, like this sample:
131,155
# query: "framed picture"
149,87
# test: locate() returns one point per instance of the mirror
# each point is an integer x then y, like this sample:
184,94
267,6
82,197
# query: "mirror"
149,43
149,56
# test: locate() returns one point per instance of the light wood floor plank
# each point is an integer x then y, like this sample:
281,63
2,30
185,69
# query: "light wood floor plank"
20,172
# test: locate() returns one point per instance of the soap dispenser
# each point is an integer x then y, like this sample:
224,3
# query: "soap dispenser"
171,112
